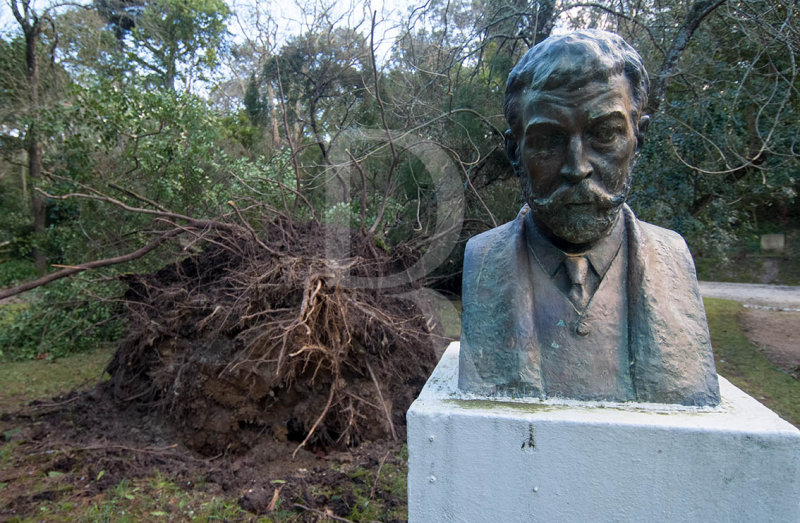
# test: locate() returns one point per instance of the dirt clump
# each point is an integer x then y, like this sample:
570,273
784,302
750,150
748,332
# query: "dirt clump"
253,339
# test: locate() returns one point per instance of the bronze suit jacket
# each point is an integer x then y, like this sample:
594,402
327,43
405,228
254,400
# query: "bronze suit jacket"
670,352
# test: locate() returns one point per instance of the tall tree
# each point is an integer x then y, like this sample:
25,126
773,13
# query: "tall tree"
31,23
168,40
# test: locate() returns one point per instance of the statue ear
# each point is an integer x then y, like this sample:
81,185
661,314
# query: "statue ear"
644,123
511,150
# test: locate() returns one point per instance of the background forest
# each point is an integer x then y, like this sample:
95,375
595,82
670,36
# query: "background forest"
132,131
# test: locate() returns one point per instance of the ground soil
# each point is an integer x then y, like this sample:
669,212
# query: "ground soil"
69,440
776,334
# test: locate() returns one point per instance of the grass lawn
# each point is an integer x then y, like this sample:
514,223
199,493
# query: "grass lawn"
747,368
24,381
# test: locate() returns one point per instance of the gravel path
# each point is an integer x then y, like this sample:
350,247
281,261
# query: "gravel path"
782,297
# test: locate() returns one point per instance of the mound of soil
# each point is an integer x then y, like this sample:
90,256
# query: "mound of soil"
255,339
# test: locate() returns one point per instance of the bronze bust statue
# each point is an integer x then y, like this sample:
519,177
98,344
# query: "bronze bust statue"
576,298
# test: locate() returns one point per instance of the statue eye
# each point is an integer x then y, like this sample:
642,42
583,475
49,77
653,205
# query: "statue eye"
606,133
550,141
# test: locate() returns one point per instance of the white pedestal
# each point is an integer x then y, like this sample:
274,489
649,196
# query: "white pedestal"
505,461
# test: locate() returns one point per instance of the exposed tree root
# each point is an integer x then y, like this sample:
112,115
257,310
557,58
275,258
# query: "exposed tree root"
245,341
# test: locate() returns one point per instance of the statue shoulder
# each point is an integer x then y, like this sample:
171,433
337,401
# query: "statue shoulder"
668,248
490,256
666,240
495,240
661,232
490,238
490,247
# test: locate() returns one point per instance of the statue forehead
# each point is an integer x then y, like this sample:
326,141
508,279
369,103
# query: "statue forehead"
568,71
564,56
594,97
571,62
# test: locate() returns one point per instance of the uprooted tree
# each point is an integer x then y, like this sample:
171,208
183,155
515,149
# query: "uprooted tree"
249,339
265,333
281,315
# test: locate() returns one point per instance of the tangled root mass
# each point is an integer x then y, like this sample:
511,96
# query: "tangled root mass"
252,339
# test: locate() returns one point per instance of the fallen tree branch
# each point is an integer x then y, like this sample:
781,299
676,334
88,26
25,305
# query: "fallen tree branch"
161,213
136,196
63,273
108,199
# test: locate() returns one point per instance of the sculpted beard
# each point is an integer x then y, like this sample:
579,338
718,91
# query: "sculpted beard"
577,213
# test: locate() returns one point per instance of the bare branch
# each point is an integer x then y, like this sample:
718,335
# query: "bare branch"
135,255
697,12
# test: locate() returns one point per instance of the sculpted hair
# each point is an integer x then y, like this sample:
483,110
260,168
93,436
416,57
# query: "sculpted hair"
571,61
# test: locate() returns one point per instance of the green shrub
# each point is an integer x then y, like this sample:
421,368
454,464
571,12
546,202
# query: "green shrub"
66,317
13,272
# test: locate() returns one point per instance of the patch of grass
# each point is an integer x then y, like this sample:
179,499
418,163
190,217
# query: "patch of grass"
747,264
147,499
66,497
450,316
25,381
377,489
451,319
739,361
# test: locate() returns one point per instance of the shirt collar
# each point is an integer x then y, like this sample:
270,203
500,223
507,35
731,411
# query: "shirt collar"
551,257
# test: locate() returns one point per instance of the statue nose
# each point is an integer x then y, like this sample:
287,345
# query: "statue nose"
576,165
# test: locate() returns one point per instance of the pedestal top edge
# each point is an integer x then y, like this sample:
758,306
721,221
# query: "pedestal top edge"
737,412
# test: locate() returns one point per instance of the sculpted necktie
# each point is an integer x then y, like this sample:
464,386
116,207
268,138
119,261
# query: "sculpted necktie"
577,267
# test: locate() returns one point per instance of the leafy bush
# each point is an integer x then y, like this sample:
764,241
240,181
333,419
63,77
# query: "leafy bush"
13,272
66,317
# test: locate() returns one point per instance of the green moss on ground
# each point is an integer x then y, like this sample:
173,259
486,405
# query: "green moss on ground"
146,499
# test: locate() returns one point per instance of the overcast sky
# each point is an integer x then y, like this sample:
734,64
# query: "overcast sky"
290,16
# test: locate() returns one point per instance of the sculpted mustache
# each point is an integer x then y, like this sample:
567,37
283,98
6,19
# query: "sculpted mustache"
586,192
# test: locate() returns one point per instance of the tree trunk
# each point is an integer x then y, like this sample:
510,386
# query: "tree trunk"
31,29
697,12
273,116
544,20
171,70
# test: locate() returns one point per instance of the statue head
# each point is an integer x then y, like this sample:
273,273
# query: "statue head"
574,105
